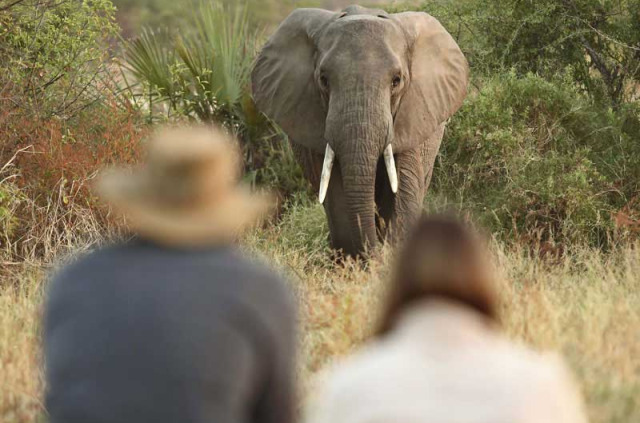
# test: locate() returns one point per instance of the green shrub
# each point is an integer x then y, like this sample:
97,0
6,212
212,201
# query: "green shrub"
138,14
271,163
529,156
304,228
203,72
597,41
54,55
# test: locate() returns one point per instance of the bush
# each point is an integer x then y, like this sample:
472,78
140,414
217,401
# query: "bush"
46,204
54,55
134,15
273,165
60,122
597,41
530,156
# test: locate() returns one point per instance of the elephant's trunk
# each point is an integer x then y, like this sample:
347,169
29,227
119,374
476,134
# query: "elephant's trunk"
358,167
358,134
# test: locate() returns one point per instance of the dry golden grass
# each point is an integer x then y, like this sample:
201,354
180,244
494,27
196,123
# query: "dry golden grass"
20,368
587,305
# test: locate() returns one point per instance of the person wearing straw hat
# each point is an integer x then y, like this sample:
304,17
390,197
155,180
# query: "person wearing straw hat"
175,325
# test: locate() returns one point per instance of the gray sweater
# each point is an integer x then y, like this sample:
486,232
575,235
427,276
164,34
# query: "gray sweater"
141,334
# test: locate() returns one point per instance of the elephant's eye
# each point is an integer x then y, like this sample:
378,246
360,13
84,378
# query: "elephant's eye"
324,82
396,81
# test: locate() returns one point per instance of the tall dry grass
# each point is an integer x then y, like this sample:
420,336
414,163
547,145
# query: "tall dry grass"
586,305
20,362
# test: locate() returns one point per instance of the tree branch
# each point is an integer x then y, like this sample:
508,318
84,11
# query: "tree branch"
10,5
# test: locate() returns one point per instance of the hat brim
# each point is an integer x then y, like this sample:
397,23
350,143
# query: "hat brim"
211,223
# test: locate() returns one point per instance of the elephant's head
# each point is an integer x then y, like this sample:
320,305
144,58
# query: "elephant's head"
359,85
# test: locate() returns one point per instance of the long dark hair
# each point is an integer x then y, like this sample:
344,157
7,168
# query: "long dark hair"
441,258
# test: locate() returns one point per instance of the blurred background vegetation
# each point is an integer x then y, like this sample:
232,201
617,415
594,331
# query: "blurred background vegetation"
546,148
544,154
133,15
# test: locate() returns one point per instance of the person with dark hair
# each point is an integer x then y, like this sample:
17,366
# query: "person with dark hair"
175,325
438,354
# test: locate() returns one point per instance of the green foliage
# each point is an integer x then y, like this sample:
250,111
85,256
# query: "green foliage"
203,72
304,228
534,156
597,40
137,14
54,54
271,163
218,56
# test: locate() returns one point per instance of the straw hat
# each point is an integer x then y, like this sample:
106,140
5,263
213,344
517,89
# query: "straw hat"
186,193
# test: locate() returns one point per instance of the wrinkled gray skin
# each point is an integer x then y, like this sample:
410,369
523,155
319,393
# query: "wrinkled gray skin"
359,80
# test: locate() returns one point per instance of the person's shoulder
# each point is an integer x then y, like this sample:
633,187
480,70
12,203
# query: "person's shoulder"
539,367
256,266
81,261
544,382
67,283
557,390
370,365
350,382
266,282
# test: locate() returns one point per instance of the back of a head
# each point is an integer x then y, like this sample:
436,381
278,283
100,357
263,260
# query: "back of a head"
441,259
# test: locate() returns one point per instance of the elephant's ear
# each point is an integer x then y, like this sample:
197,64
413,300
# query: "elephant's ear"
439,74
283,77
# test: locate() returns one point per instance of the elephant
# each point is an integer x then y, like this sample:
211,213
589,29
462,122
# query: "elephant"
363,97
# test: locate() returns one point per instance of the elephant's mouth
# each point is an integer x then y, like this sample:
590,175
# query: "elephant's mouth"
387,162
385,187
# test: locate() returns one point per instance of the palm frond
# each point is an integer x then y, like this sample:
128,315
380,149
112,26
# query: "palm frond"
150,60
205,71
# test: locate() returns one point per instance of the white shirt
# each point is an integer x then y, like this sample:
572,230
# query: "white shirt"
443,364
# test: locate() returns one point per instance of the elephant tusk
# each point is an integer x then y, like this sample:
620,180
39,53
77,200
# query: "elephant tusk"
329,155
390,164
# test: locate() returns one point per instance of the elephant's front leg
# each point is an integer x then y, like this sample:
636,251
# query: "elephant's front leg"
415,168
410,195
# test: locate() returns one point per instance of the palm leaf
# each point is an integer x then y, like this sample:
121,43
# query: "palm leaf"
150,60
206,70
